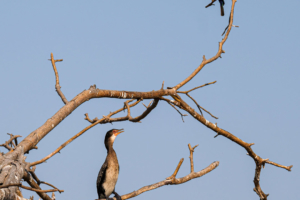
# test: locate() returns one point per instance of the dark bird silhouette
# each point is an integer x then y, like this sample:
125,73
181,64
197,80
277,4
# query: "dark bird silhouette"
222,3
109,172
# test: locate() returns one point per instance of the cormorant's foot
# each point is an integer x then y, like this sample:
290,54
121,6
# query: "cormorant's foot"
118,197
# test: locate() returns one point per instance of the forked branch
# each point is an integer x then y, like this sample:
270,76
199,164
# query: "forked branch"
57,86
103,120
191,156
172,180
10,142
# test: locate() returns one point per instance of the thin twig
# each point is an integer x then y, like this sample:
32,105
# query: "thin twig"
148,104
88,119
281,166
57,86
200,107
29,188
176,170
60,191
34,176
212,3
182,115
191,156
6,144
33,184
185,92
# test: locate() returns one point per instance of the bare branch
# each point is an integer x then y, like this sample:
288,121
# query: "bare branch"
10,185
57,86
103,120
60,191
148,104
191,156
29,188
33,184
37,190
212,3
6,144
176,170
182,115
200,107
185,92
88,119
34,176
145,113
220,51
281,166
172,180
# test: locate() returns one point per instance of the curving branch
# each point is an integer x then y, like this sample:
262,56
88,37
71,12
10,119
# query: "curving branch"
172,180
103,120
247,146
220,51
57,86
142,116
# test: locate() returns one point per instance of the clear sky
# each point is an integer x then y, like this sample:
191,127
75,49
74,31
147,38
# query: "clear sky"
136,45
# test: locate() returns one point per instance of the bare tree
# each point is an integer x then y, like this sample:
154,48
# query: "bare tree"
14,168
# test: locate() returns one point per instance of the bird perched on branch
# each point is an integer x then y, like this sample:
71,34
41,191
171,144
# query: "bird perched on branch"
222,3
109,172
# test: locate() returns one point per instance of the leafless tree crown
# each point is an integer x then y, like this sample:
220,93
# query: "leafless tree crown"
14,168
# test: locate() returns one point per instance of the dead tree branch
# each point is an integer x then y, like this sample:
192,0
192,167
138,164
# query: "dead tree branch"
36,136
220,51
105,119
206,84
29,188
182,115
281,166
172,180
200,107
34,185
191,156
247,146
57,86
10,141
60,191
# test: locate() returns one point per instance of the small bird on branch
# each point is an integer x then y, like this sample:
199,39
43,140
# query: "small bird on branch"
109,172
222,3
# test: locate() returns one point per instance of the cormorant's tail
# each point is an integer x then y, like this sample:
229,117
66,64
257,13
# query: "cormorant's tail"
222,10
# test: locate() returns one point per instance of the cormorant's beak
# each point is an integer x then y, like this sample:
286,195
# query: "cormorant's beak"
119,131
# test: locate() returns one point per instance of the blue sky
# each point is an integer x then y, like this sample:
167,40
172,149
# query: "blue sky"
136,45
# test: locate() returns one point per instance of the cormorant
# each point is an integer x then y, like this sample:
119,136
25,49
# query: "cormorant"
222,3
109,172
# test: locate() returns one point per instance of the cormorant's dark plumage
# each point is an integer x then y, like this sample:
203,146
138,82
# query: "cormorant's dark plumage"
222,3
109,172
